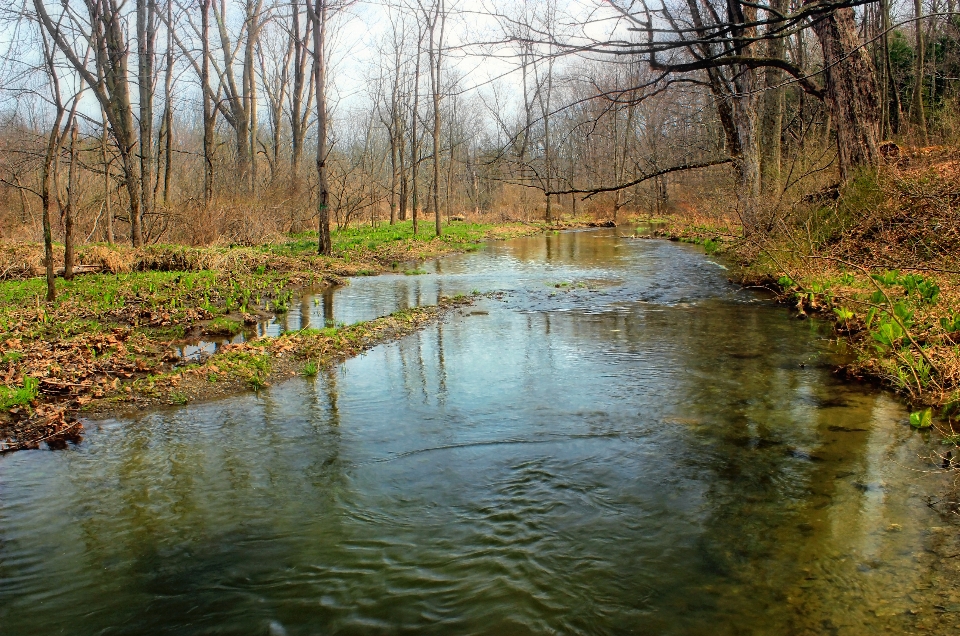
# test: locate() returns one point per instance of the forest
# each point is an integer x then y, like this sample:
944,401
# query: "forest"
233,122
480,317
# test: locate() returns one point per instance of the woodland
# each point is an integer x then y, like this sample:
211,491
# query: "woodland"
265,144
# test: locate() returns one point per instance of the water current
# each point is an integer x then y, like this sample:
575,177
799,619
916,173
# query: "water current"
621,441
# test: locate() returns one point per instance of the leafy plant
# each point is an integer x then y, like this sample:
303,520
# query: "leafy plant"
786,282
888,334
887,278
843,314
951,323
921,419
309,369
904,313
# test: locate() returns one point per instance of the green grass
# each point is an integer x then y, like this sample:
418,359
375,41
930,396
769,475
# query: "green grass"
224,325
364,237
13,396
309,369
11,357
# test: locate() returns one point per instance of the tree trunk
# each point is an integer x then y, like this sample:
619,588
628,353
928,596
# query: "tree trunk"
394,178
47,200
71,209
146,43
107,202
324,245
851,95
168,108
208,106
436,61
772,117
916,107
415,147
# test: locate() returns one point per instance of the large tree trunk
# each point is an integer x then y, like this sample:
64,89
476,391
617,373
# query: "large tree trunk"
772,116
851,91
916,108
747,163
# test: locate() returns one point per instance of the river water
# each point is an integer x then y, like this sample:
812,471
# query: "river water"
621,441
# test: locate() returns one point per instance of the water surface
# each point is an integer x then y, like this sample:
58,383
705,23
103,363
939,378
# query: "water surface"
620,442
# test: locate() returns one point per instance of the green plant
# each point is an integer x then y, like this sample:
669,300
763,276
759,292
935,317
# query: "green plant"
11,356
887,278
309,369
903,313
786,282
921,419
843,314
414,272
888,334
178,398
951,323
12,396
224,325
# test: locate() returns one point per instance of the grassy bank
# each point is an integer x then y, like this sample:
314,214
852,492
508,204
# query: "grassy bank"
879,258
110,338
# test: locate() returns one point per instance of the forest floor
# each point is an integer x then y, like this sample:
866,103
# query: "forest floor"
880,258
109,343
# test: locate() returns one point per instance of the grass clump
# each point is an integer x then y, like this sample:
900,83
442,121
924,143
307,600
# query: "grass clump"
224,325
12,397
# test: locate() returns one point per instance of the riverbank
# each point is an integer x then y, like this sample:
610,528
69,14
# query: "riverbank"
879,258
110,341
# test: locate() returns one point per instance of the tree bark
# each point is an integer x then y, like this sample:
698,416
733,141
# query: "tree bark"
916,107
851,92
146,46
319,16
415,147
47,199
70,210
208,107
772,117
436,47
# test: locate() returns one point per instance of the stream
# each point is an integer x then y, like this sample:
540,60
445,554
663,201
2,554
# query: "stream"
619,441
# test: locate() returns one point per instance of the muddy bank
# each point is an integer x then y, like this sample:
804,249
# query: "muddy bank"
234,368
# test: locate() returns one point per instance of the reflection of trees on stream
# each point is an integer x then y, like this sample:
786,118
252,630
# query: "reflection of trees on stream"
168,514
643,453
779,462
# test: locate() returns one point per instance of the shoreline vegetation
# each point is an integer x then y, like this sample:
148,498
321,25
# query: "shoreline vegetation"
109,343
880,258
